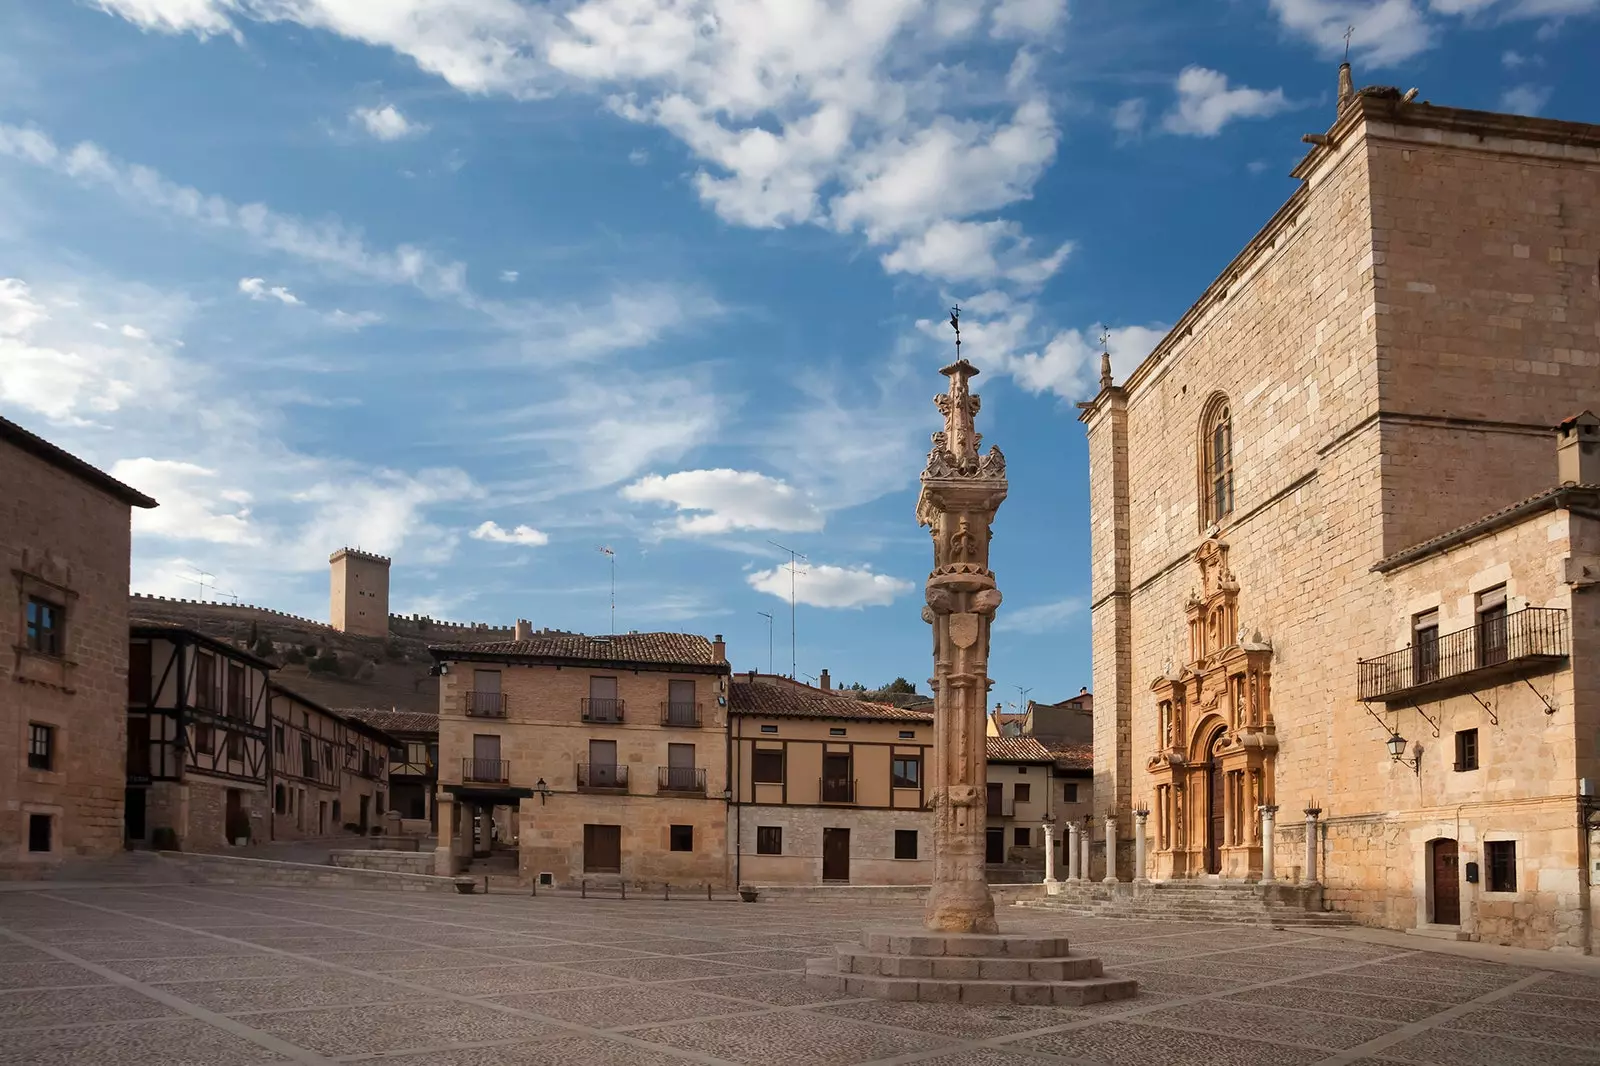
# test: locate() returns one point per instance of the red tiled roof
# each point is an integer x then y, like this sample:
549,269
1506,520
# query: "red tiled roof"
62,459
1072,756
787,699
1017,749
673,649
392,721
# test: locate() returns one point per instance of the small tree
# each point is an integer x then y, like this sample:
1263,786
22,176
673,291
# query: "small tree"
326,662
262,648
900,684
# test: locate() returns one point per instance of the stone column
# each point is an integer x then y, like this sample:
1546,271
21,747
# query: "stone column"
1267,814
1073,853
1049,852
1139,816
444,858
961,490
1086,840
1111,849
1312,814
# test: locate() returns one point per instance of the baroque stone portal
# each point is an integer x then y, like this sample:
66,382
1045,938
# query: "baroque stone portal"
961,491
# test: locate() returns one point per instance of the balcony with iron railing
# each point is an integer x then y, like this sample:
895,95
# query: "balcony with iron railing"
602,777
1494,649
680,779
492,771
682,715
486,704
603,711
837,789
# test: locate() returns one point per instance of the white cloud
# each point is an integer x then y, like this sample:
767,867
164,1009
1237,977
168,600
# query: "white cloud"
720,501
257,289
819,585
974,251
1525,99
1069,365
68,370
1512,60
1206,103
201,17
325,243
638,157
509,276
1026,18
1127,118
386,123
1039,617
352,320
1386,31
524,535
190,499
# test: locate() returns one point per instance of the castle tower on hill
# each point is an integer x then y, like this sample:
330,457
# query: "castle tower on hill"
359,593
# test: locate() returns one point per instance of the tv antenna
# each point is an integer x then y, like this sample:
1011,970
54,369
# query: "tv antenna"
201,579
768,616
795,558
612,555
1022,698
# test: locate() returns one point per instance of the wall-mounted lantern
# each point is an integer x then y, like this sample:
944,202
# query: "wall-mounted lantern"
542,789
1397,752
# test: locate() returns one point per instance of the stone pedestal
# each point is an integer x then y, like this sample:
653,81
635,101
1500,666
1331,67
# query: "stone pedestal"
915,965
1268,813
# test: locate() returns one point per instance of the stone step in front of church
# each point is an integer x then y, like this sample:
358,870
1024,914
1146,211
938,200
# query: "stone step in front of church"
1224,902
916,965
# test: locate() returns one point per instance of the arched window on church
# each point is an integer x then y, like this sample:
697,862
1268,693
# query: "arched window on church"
1216,454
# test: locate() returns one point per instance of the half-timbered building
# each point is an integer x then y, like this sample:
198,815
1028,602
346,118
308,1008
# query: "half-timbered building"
198,762
329,772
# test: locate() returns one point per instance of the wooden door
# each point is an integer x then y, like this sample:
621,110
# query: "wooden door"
1446,882
994,846
365,811
133,812
836,780
139,749
602,849
1214,810
234,821
996,799
836,855
680,767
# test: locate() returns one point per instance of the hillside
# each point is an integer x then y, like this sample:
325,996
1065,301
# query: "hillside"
349,670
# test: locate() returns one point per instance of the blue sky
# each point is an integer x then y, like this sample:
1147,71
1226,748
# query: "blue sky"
488,284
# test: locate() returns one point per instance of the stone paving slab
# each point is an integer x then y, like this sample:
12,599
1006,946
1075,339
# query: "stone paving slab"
210,975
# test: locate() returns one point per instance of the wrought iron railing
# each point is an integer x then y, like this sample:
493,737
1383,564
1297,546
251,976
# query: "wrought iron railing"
1529,635
837,789
494,770
604,711
681,714
608,777
486,704
680,779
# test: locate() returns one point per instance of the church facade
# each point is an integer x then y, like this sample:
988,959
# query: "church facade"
1346,528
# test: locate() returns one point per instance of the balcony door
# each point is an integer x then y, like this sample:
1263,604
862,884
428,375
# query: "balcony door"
681,708
1492,626
485,694
603,764
995,799
486,757
680,767
836,779
604,706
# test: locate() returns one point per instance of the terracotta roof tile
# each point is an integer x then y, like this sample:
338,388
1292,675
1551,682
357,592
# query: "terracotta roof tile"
787,699
1017,749
676,649
393,721
1072,756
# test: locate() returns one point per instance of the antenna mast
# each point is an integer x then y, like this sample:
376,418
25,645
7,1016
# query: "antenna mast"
768,616
608,553
795,558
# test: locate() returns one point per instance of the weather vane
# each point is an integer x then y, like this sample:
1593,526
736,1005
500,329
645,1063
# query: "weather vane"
1105,340
955,324
1348,33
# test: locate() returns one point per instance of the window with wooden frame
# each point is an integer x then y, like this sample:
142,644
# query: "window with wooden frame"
1022,793
1021,836
1216,461
1466,750
1425,646
905,843
235,746
41,746
766,767
1492,645
1501,858
205,682
204,739
769,840
680,838
905,771
238,706
1069,792
47,622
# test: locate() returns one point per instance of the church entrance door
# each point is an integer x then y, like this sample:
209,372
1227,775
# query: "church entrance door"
1214,808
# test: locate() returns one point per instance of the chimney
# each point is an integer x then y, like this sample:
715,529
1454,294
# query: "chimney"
1084,691
524,630
719,650
1578,450
825,681
1347,87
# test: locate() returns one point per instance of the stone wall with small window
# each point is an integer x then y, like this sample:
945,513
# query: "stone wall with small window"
63,664
784,845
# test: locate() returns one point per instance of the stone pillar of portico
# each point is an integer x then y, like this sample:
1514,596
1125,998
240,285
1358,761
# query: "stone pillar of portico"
1111,849
1312,813
1086,839
1139,816
1268,812
444,859
1049,852
1073,854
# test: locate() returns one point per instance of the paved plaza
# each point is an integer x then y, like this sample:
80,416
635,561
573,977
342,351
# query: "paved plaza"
228,976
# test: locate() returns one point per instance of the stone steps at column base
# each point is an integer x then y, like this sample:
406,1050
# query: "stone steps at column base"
821,975
858,962
1197,912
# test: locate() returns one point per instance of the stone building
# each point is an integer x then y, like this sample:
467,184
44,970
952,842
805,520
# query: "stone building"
358,599
64,541
413,761
197,756
1335,568
330,772
622,739
827,787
